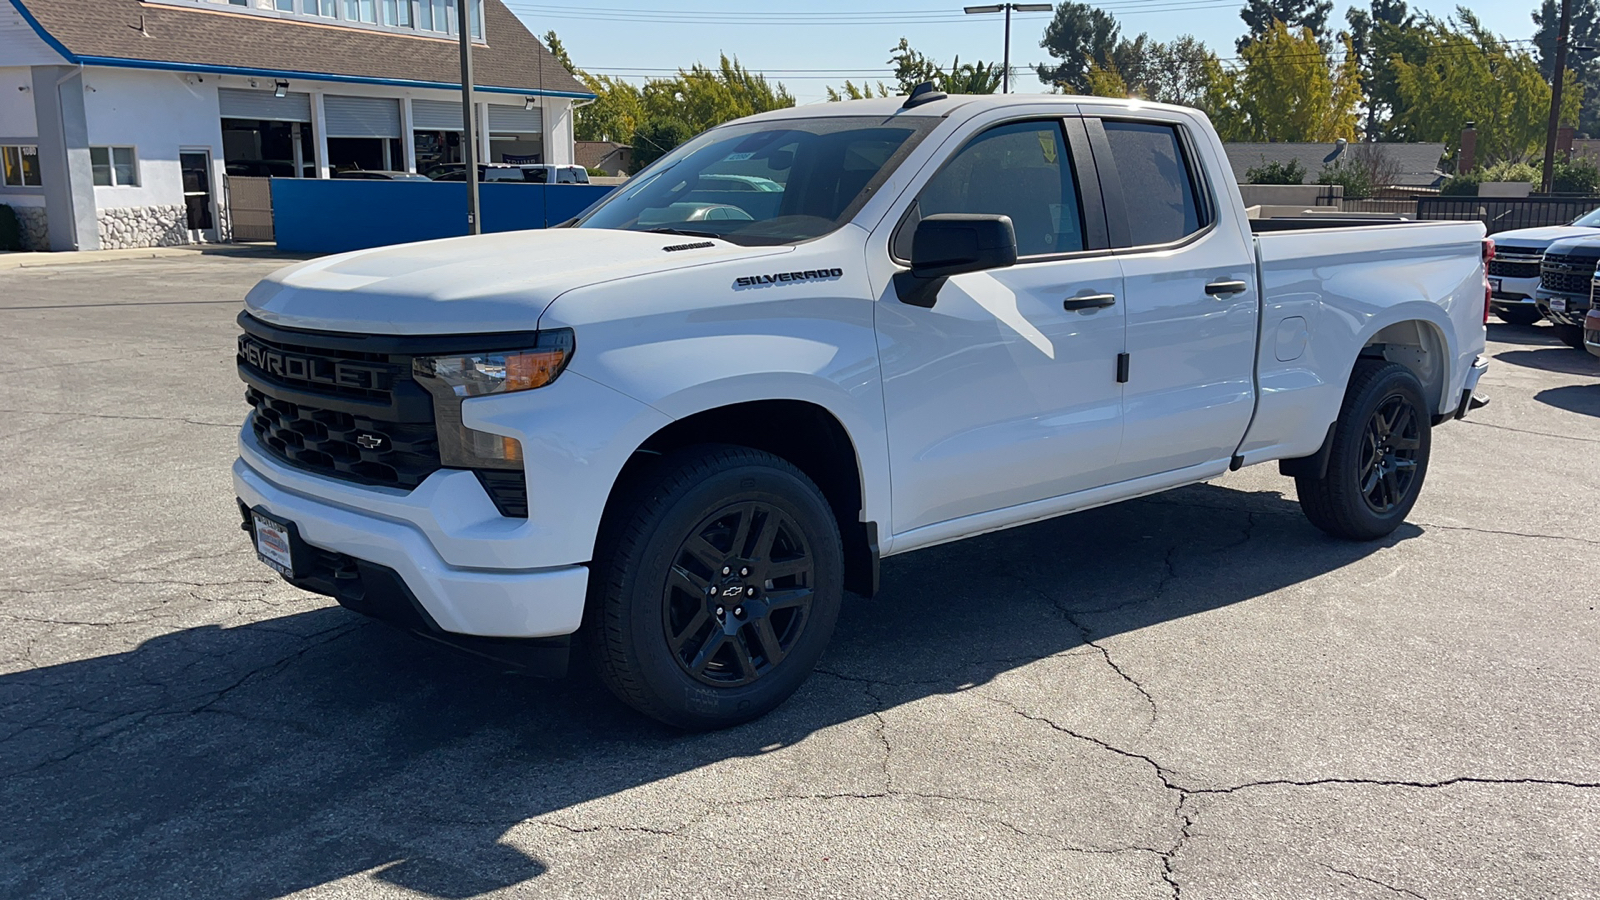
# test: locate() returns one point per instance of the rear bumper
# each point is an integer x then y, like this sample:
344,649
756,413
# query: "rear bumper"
1470,390
392,572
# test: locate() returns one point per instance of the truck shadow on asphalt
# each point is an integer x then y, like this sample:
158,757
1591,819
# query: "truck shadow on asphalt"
255,761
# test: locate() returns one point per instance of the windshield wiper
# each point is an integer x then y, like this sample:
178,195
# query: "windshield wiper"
680,231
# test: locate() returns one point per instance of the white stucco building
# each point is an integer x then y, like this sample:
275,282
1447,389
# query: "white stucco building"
120,119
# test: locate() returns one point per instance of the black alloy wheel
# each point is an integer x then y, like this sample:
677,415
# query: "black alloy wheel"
1392,440
715,586
1378,457
738,595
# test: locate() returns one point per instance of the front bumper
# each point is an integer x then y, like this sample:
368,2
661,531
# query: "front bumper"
1577,306
1514,292
447,600
1591,332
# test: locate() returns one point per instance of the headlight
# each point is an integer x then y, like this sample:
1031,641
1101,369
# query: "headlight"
454,379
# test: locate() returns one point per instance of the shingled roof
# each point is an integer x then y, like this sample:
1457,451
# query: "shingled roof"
187,38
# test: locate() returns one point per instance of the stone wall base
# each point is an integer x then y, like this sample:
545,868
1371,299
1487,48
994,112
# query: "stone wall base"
143,226
35,227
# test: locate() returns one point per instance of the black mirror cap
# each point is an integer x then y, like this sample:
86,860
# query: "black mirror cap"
951,244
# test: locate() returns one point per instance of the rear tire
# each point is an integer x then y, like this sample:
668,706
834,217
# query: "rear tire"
1518,315
715,588
1379,456
1571,335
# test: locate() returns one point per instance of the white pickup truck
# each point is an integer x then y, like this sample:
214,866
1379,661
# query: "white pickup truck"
682,425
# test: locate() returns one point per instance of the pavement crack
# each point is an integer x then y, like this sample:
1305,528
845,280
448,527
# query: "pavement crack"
1500,533
1386,782
1549,434
1398,890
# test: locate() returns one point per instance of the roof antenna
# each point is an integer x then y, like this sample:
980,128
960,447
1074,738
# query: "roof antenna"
926,92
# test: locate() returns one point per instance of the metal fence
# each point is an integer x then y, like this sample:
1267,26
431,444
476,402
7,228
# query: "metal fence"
1506,213
250,206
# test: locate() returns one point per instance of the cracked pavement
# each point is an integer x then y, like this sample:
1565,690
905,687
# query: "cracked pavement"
1192,695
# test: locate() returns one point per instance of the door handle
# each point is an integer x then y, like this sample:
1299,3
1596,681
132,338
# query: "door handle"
1226,288
1089,301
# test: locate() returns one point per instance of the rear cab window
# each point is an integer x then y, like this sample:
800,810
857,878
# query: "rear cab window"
1164,200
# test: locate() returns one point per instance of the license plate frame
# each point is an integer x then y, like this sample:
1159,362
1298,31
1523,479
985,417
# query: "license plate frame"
1494,285
1558,304
274,541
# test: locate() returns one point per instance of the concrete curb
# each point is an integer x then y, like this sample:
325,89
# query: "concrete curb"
28,260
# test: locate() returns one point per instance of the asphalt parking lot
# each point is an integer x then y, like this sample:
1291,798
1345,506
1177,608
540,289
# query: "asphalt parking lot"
1192,695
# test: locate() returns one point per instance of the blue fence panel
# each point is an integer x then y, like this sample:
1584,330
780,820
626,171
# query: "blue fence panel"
332,216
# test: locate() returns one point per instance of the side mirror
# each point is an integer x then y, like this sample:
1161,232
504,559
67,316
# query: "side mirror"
951,244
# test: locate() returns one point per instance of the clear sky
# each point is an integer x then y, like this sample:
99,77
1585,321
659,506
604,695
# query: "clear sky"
810,45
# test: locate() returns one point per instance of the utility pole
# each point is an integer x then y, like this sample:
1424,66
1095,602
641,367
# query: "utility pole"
1557,81
1007,8
469,137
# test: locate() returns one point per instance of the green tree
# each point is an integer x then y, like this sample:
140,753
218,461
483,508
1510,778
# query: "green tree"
1380,35
1261,15
1080,37
1276,172
1106,82
559,51
1466,73
912,68
656,138
1585,32
1287,89
863,91
614,115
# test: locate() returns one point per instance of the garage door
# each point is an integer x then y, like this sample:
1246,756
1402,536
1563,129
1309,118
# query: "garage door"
436,115
264,105
361,117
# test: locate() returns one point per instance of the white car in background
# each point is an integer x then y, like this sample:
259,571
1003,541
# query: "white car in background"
1514,271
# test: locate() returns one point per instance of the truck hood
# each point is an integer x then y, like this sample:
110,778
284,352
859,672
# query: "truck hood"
486,283
1540,238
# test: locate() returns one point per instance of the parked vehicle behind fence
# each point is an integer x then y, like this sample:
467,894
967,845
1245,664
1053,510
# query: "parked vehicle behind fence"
1514,271
1566,277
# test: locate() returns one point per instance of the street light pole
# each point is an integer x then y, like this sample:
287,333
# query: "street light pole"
469,137
1007,8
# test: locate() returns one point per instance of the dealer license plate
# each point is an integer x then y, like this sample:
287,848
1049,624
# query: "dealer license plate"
1558,304
1494,285
272,544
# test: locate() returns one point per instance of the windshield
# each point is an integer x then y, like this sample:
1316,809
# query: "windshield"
1589,220
774,182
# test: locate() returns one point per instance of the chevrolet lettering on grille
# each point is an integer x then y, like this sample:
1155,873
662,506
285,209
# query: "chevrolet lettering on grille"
310,369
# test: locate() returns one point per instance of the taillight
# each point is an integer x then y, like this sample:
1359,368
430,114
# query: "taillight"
1488,292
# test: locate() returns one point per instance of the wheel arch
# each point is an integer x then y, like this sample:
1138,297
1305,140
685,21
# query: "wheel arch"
807,435
1419,343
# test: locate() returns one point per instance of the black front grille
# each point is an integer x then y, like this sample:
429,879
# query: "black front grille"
1513,268
344,406
343,445
1566,274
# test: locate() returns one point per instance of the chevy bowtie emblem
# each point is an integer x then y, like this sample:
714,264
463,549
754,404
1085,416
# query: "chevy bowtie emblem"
370,441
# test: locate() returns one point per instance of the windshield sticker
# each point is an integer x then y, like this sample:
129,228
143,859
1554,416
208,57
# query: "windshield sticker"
738,157
755,281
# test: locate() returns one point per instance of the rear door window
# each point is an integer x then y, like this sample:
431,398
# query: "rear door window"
1159,182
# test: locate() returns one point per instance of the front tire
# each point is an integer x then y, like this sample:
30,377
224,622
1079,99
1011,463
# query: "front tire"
1379,456
1521,314
716,588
